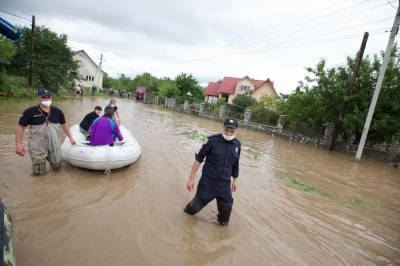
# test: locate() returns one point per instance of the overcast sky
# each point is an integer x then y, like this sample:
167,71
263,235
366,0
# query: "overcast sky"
213,38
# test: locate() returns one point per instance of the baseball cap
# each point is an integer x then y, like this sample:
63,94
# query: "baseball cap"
231,122
44,92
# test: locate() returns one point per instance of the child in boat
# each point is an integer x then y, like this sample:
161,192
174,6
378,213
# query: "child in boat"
104,130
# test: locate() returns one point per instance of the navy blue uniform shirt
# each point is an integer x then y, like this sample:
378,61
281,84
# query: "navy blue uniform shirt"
33,116
222,157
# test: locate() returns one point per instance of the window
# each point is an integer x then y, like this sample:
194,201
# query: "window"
212,99
245,89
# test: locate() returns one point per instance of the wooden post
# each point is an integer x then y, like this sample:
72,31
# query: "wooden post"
359,57
30,78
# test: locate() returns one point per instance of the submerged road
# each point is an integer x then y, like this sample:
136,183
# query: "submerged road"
295,204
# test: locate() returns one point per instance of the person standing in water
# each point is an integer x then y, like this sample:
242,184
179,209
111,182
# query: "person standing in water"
43,120
220,172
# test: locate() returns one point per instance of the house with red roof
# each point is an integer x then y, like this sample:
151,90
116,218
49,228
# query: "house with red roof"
230,87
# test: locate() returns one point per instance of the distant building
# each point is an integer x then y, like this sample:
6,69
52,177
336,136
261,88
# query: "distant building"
140,92
229,87
89,73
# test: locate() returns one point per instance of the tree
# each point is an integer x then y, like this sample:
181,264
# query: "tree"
187,83
53,65
146,80
7,50
319,98
108,82
243,101
168,88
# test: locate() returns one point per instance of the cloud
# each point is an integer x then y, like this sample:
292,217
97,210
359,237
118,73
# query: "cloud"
214,38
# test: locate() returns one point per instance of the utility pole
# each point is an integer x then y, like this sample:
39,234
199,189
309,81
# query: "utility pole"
30,78
379,82
100,64
357,65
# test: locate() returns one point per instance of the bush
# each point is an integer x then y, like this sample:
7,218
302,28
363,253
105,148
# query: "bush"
261,115
15,86
243,101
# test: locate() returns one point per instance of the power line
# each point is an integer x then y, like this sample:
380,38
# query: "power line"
304,38
277,47
278,24
4,11
344,28
246,39
16,21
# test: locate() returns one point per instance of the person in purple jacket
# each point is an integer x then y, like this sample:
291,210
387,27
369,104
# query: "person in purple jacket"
104,130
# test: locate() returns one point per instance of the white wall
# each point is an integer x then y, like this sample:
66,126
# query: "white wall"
87,68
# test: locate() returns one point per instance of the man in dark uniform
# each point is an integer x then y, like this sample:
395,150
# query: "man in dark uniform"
43,120
88,120
222,153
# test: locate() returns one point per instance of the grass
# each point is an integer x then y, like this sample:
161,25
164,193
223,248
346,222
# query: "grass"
349,202
196,135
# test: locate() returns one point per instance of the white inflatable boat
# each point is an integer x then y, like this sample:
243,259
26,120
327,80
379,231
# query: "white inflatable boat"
102,157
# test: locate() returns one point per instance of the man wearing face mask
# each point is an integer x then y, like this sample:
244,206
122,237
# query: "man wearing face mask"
220,172
43,120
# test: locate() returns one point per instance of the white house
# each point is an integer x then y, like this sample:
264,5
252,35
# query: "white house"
89,73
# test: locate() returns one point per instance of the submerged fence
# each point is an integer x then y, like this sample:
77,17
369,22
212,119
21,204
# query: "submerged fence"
318,137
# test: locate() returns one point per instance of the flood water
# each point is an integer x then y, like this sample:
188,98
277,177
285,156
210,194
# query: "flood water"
295,204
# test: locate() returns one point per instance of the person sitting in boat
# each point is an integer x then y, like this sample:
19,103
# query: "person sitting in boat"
104,130
88,120
117,116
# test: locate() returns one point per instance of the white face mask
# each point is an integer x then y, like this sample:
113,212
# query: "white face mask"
46,103
228,138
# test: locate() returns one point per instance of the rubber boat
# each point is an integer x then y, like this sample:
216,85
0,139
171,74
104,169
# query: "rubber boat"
6,238
102,157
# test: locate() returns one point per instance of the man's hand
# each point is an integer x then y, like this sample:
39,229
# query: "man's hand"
20,150
72,140
234,184
190,184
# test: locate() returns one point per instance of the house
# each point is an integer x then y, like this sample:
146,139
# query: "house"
229,87
89,73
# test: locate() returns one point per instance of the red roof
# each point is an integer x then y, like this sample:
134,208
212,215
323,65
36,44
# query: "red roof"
228,85
212,89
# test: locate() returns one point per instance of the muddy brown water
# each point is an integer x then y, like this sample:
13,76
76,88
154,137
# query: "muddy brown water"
295,204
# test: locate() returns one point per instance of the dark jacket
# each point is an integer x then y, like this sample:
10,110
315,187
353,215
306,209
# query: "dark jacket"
88,120
222,158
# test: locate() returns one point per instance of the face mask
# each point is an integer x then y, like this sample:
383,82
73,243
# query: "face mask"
112,105
228,138
46,103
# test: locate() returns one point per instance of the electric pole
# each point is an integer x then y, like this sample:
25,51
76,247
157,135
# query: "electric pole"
379,82
30,78
357,65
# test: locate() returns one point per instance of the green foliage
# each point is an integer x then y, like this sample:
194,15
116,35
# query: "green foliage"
187,83
147,80
7,49
319,98
268,102
262,115
108,81
243,101
16,87
168,88
197,135
53,65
